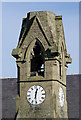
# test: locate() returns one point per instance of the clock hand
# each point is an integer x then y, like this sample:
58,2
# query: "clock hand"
36,93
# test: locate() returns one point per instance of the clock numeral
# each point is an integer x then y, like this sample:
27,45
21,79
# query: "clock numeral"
28,95
29,98
43,93
42,97
42,90
32,102
32,88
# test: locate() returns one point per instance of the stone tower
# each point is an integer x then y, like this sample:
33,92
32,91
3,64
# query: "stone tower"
42,59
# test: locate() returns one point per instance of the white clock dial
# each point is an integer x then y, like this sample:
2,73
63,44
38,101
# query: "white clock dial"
61,97
36,95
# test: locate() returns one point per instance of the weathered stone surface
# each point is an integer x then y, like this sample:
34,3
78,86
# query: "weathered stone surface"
41,51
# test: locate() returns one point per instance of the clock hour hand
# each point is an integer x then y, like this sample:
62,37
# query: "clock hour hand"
36,93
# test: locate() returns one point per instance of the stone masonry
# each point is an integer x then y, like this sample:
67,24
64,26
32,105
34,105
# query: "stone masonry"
42,59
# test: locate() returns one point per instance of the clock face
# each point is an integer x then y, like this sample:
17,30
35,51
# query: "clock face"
36,95
61,97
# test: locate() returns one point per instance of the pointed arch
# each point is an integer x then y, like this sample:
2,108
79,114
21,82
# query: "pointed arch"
41,45
37,59
31,44
34,56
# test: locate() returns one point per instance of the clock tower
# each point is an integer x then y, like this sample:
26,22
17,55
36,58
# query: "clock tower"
42,59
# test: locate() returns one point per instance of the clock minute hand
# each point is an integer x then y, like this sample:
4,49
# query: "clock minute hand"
36,93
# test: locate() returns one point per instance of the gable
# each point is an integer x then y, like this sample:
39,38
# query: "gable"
45,27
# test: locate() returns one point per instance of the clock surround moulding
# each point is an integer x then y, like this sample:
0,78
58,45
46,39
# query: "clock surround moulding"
42,59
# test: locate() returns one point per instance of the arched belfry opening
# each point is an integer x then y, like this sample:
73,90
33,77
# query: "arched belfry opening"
37,61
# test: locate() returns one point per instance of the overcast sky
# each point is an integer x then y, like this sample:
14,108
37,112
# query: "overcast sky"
12,14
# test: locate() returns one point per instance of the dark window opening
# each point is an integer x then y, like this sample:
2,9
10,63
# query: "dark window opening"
37,61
